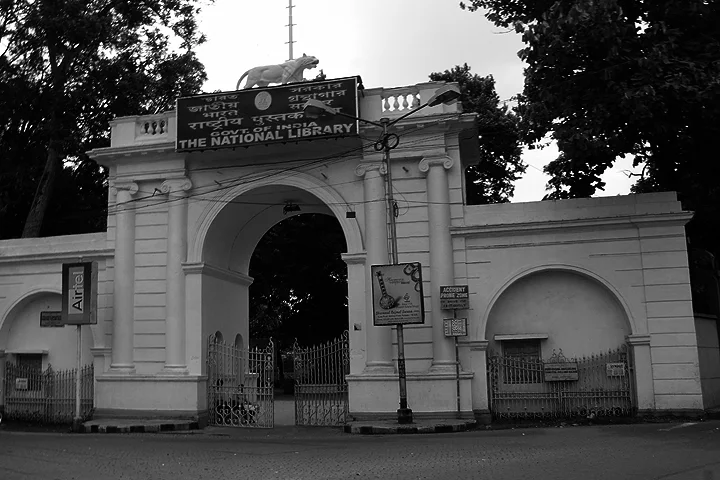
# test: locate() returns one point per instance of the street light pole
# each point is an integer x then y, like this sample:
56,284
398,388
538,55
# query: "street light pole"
404,413
446,95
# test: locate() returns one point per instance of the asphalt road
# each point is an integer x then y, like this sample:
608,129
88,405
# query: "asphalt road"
647,451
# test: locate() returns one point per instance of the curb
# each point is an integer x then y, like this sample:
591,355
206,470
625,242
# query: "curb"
158,428
406,429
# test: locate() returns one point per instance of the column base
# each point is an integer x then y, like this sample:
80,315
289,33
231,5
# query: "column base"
442,367
379,368
121,369
150,395
174,370
435,393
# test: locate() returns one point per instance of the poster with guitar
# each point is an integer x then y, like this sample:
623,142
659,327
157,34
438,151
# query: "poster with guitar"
397,294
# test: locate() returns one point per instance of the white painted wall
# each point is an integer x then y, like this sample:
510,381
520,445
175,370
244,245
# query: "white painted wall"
225,308
26,335
579,315
632,245
31,269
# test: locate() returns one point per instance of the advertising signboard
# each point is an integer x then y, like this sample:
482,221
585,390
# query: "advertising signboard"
259,116
397,294
79,299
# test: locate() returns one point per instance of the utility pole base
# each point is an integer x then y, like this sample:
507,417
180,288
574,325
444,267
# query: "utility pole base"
405,416
77,425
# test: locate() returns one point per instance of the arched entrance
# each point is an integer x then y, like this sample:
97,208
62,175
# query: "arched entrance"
232,235
557,348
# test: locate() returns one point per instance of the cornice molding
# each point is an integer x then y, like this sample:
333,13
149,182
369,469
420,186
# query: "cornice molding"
679,219
354,258
219,273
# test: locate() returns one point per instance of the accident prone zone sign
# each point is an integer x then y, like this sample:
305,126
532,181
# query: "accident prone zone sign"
454,297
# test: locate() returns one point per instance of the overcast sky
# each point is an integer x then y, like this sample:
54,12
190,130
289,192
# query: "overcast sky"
389,43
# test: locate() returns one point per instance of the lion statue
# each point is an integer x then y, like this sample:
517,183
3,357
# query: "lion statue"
290,71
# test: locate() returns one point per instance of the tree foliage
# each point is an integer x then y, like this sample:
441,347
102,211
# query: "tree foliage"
610,78
490,181
67,67
299,289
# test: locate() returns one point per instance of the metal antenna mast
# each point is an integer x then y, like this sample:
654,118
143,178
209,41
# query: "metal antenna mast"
290,25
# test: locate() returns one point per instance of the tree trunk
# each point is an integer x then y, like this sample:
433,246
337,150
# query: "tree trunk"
46,185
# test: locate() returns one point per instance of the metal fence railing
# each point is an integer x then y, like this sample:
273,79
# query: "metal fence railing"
47,396
559,387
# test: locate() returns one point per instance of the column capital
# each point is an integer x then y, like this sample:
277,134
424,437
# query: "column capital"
440,160
363,168
354,258
128,186
638,339
474,345
176,185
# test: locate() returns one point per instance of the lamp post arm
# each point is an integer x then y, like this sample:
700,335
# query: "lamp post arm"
377,124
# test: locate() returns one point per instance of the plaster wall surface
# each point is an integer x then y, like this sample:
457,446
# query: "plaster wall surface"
631,251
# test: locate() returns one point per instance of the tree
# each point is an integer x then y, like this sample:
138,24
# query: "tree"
490,181
67,67
610,78
299,288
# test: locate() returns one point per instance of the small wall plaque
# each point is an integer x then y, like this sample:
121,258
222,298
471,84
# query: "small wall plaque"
616,369
455,327
561,371
51,319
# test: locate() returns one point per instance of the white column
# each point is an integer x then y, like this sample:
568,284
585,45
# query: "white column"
379,339
124,283
175,357
442,271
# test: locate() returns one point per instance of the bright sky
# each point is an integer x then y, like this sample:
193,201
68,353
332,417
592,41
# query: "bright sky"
389,43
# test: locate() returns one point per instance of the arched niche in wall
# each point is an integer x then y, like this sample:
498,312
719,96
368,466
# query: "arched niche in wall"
22,332
562,309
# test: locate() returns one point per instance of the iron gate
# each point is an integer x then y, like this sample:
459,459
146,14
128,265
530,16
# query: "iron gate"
321,392
240,385
592,386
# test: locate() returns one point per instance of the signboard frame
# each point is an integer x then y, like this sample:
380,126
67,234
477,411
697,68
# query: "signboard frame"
79,298
262,116
454,297
397,293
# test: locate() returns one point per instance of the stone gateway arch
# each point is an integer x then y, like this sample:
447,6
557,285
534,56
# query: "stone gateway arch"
184,219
